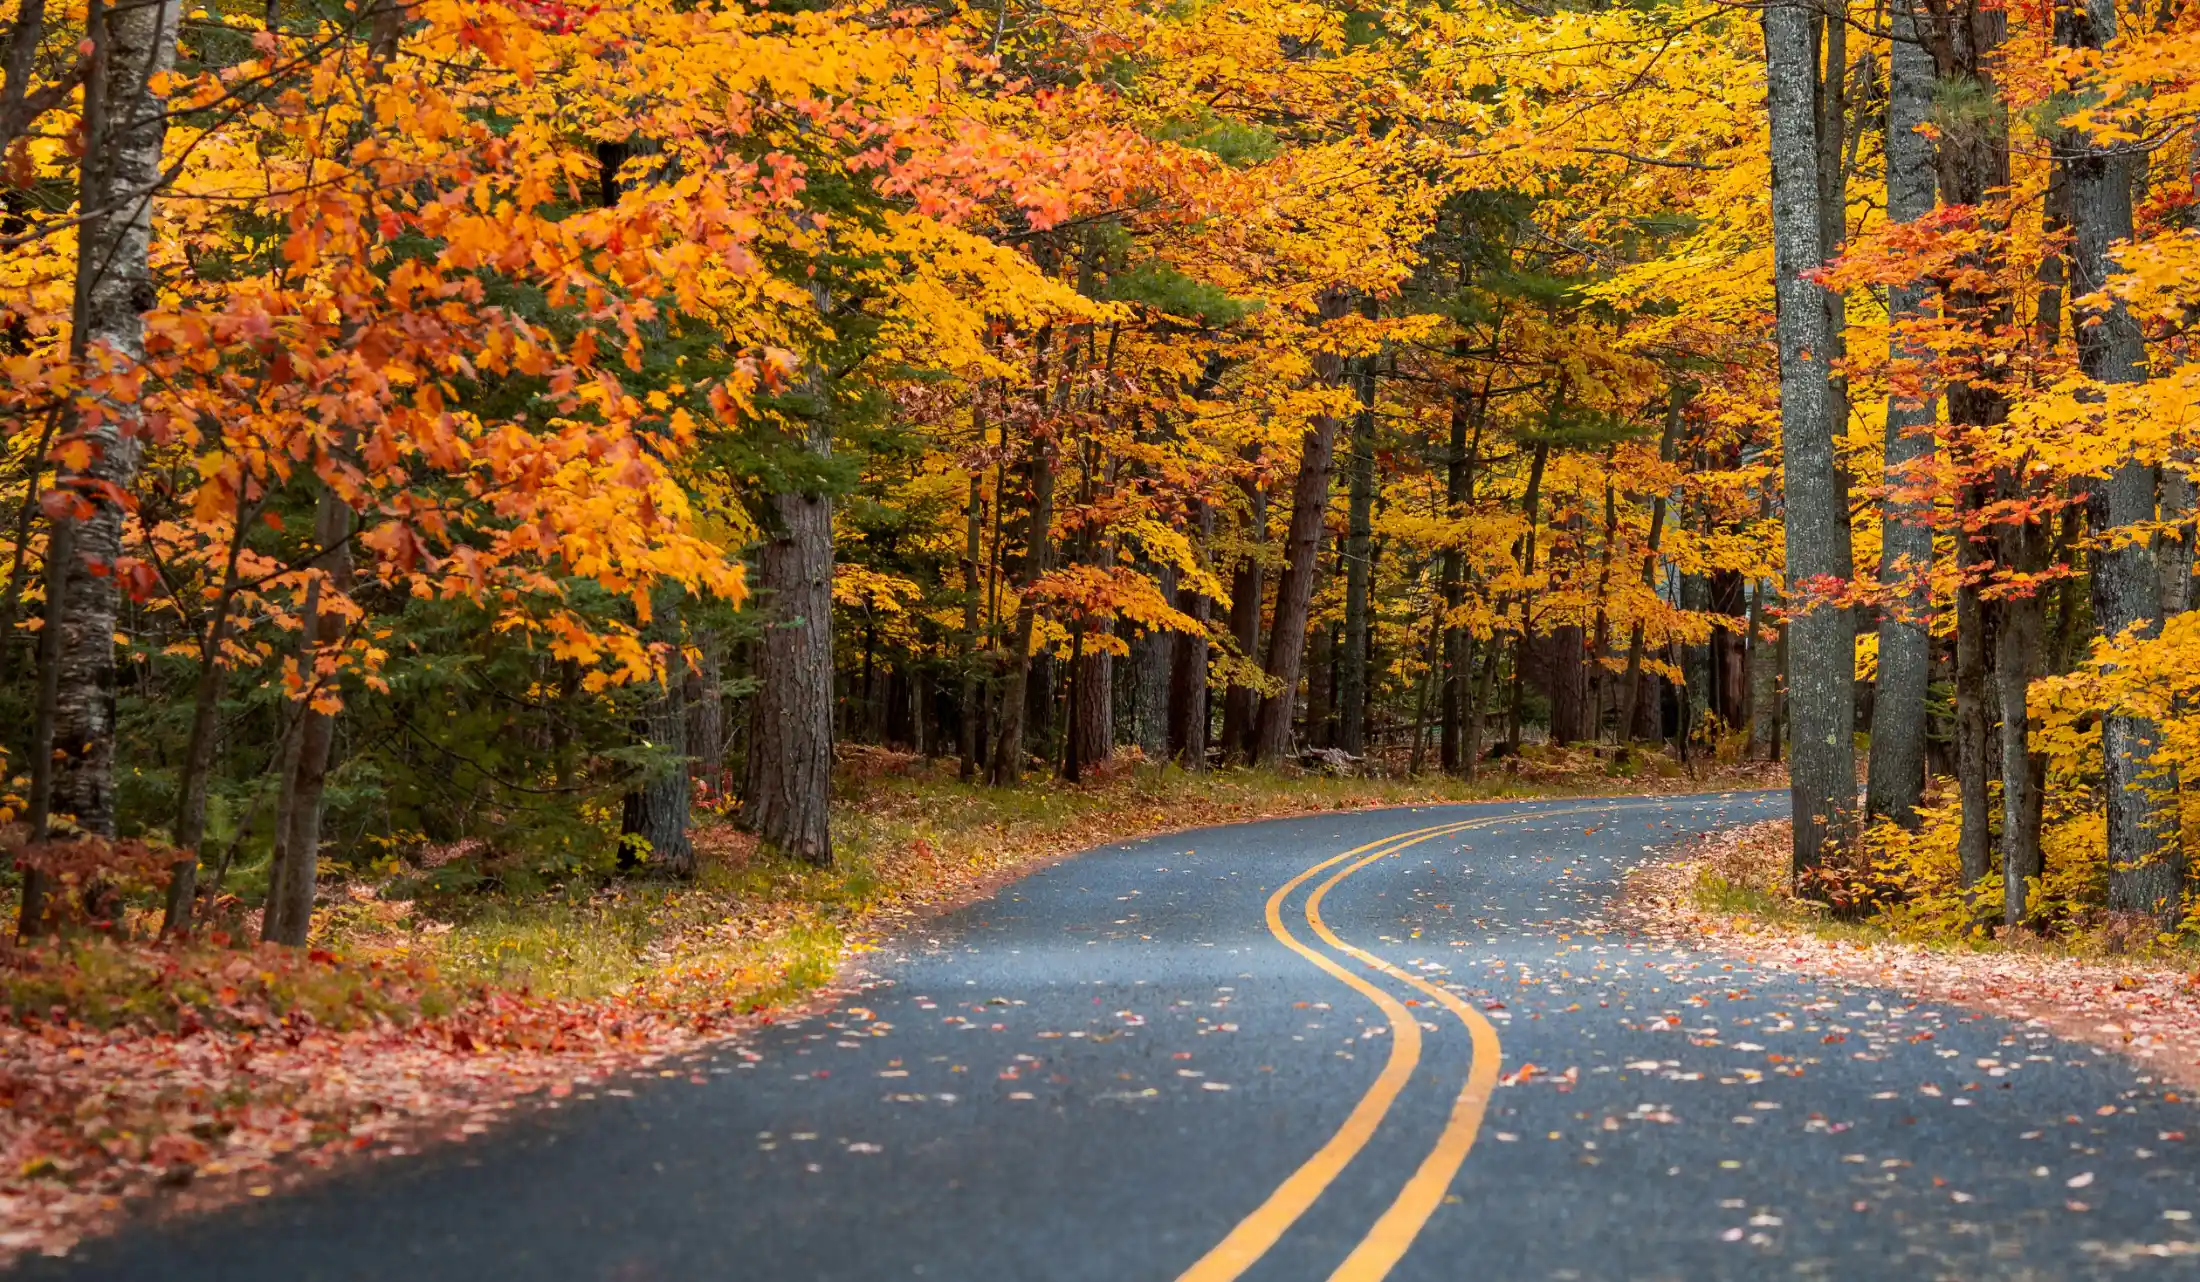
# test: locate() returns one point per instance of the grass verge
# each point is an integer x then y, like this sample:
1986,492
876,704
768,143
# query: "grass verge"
210,1070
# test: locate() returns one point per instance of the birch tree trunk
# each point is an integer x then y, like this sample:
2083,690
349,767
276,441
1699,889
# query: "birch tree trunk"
2146,868
1906,535
132,46
1822,670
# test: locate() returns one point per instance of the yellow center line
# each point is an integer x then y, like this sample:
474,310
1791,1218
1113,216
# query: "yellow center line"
1386,1243
1260,1230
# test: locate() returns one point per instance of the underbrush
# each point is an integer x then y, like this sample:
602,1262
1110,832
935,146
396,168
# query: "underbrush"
419,936
1906,888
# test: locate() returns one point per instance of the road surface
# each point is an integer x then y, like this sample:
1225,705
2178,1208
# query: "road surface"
1295,1050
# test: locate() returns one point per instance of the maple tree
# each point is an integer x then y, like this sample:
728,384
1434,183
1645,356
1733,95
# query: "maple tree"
519,423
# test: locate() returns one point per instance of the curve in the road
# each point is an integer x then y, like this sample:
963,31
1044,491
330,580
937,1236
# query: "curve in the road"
1097,1074
1395,1229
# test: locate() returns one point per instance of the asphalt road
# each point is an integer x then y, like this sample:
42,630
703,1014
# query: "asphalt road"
1131,1066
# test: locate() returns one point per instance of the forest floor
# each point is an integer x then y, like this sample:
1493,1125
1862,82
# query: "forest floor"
1729,890
137,1076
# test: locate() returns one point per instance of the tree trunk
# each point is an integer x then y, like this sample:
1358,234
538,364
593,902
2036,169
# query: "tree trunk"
2146,867
1295,590
1154,664
1352,679
1092,727
788,789
1321,681
1764,677
1566,649
1906,535
2017,660
1188,669
132,46
1531,501
704,696
973,711
1096,702
198,754
653,820
1695,598
1009,749
1822,671
1634,683
1728,662
1478,706
1458,646
1241,703
288,917
1974,841
61,564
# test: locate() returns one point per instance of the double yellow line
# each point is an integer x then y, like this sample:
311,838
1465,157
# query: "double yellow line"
1394,1231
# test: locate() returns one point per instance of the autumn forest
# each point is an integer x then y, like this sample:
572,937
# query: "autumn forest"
488,445
525,422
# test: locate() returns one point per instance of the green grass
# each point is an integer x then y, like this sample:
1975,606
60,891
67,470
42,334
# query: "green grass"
766,929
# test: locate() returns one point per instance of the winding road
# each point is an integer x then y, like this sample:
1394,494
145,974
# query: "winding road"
1403,1044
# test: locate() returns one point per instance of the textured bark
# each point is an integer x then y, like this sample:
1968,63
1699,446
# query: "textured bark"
1831,107
1248,584
1531,501
1822,639
1302,549
1600,641
653,819
60,567
1764,677
1478,707
1321,678
1092,714
1695,597
125,122
2023,549
289,913
1729,664
1634,684
1009,750
1353,663
1906,536
1188,717
1566,653
2174,545
2146,867
704,695
198,753
788,788
1155,659
1974,840
1457,641
973,711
